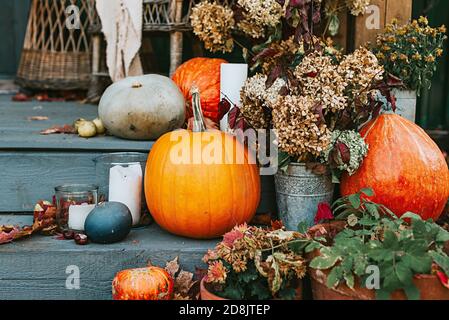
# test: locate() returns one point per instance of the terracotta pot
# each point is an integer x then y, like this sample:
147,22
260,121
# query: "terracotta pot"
428,285
208,296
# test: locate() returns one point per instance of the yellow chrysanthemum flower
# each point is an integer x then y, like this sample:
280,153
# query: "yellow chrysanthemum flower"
417,56
423,20
430,58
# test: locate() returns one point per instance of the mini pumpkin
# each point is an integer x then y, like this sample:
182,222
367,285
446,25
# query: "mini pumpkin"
150,283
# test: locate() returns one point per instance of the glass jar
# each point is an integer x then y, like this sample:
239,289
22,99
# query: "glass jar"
104,163
122,161
73,204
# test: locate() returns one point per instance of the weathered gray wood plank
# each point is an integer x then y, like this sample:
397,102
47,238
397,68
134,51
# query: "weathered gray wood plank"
36,268
29,177
17,132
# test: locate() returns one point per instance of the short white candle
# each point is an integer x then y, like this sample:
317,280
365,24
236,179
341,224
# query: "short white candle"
125,186
233,77
78,215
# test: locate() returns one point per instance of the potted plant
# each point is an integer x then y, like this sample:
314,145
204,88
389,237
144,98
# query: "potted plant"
255,263
312,96
369,253
410,52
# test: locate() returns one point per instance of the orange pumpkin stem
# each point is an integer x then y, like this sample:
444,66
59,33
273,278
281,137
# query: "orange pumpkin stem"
198,119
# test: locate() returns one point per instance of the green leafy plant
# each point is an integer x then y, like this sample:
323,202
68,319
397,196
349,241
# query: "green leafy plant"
400,247
256,263
410,52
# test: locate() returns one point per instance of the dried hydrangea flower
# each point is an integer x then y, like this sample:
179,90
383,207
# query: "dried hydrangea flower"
212,23
359,70
358,150
299,129
357,7
257,100
259,15
319,79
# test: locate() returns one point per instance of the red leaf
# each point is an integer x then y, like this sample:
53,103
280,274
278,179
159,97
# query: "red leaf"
393,81
232,117
223,108
275,74
21,97
318,110
276,225
312,74
443,279
241,125
265,53
344,151
392,100
324,213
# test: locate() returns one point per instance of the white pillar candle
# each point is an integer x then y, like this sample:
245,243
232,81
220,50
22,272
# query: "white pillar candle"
233,77
78,215
125,186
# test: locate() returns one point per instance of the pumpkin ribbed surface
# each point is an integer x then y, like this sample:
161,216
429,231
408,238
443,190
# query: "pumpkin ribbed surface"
404,167
205,74
151,283
196,198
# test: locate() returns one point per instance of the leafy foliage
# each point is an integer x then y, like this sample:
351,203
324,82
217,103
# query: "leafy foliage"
400,247
256,263
410,52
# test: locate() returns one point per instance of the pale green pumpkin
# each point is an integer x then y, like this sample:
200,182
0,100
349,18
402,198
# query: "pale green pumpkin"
142,108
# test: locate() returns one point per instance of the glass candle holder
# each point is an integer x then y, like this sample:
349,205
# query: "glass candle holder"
74,202
120,177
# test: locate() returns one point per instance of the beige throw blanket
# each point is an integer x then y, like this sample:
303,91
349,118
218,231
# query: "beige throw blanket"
122,27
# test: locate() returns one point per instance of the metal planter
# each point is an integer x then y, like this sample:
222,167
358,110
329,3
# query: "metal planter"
298,193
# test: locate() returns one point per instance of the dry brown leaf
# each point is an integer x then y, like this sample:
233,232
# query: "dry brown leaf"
172,267
65,129
44,222
183,281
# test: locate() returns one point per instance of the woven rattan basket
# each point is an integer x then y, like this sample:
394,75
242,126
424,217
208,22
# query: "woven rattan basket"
54,56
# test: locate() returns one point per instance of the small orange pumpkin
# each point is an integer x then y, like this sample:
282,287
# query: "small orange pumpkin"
195,198
205,74
150,283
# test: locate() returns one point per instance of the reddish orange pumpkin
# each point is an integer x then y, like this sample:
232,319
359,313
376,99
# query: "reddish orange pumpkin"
404,167
205,74
201,184
150,283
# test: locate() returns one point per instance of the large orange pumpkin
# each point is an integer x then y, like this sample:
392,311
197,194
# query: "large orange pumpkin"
193,196
205,74
404,167
150,283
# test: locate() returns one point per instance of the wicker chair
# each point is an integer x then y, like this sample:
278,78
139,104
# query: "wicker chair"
53,56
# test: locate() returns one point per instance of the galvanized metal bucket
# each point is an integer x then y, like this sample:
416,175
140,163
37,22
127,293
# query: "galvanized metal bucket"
298,192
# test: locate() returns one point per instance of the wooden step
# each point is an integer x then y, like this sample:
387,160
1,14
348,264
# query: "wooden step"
33,164
35,268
